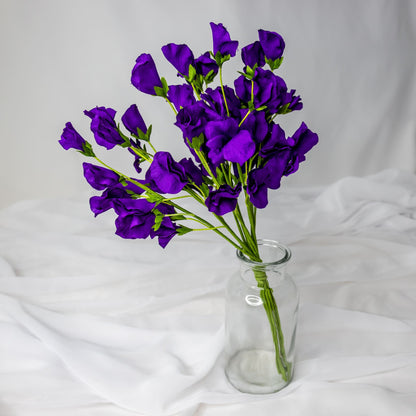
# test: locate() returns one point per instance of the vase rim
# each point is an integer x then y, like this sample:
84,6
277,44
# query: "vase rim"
286,254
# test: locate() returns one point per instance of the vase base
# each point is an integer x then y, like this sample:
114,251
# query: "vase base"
254,371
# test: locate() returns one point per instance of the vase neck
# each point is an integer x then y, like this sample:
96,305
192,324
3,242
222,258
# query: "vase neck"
275,257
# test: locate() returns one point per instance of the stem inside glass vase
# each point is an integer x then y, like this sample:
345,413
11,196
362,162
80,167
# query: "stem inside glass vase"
260,351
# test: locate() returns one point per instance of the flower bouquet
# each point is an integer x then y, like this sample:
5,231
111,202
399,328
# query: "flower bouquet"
237,153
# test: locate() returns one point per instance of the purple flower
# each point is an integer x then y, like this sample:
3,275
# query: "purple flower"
268,89
144,75
180,56
272,44
98,177
165,232
135,218
193,173
256,124
215,100
275,143
222,41
301,142
71,139
261,179
253,55
294,100
223,200
166,175
205,64
132,120
257,188
105,201
181,95
104,127
193,119
226,142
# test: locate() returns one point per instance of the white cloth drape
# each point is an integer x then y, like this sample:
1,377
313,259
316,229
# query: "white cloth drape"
94,325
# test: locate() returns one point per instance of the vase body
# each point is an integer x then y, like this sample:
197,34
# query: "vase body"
261,316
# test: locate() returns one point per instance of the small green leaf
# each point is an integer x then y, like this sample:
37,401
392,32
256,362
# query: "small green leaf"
160,92
183,230
87,150
274,64
191,73
164,85
197,141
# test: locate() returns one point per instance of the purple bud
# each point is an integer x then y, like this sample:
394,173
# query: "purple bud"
272,44
144,75
71,139
222,41
180,56
132,120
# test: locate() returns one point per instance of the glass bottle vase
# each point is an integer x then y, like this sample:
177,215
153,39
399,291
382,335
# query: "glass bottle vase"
261,316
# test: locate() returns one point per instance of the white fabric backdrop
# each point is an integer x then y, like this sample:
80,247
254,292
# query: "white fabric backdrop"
94,325
352,61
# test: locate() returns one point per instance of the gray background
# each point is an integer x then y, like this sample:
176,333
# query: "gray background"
353,63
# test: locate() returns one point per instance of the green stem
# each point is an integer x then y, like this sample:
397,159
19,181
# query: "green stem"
270,306
223,92
242,121
171,105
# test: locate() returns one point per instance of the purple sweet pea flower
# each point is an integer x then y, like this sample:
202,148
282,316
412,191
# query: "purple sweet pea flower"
275,143
165,232
257,188
135,218
301,142
193,119
268,177
105,201
104,127
222,41
166,175
226,142
256,124
294,100
71,139
205,64
180,56
272,44
98,177
253,55
132,120
215,100
145,76
181,95
194,174
223,200
137,158
268,89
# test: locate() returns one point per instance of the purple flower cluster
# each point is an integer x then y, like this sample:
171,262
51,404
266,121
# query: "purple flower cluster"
230,131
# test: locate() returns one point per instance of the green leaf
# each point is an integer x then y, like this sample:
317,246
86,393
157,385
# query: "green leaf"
284,109
210,77
191,74
154,197
164,85
274,64
183,230
197,141
177,217
160,92
87,150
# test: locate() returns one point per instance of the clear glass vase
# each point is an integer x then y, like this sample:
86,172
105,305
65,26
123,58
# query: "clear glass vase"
261,315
